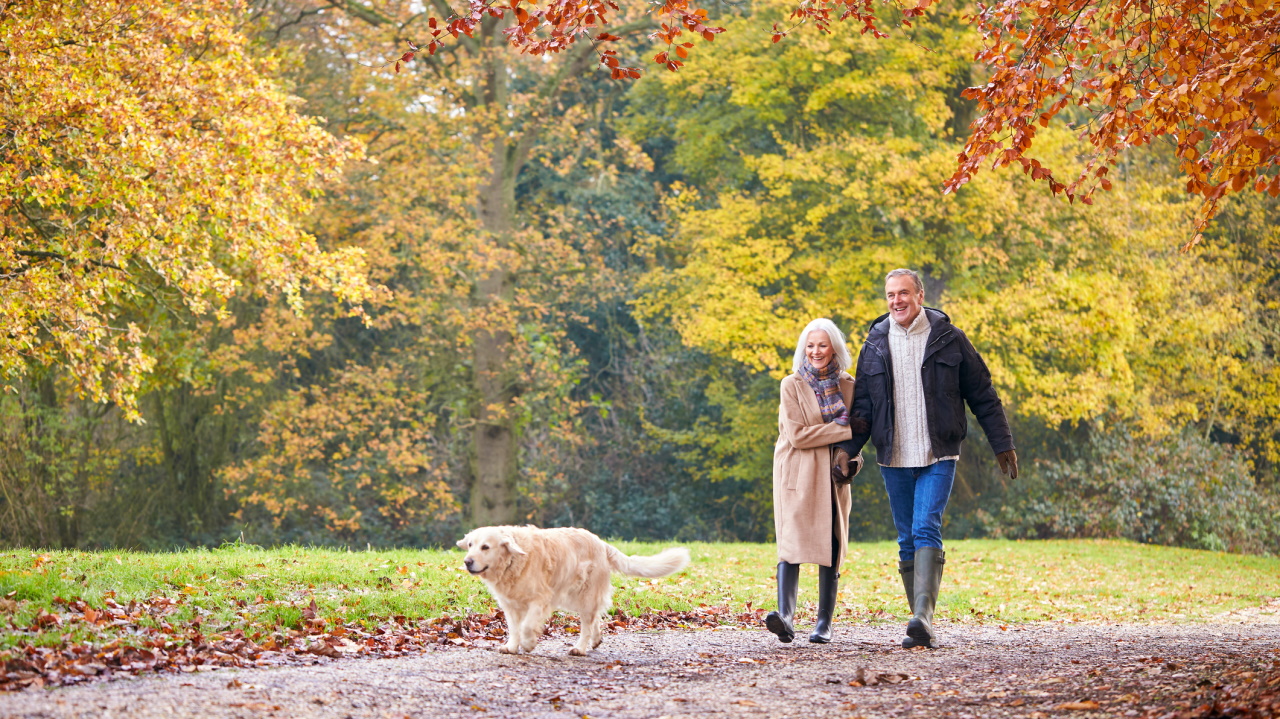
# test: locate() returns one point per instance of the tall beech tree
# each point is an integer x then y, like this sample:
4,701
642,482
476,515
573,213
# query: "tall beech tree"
512,105
146,158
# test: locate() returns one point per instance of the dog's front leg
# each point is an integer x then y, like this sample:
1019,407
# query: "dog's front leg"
514,614
534,621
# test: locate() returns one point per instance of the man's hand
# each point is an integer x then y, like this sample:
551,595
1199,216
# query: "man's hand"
855,466
840,466
1008,463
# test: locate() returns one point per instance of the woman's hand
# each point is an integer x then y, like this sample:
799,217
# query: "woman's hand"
840,466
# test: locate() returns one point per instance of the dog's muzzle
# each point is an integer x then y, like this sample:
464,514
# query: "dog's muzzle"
471,566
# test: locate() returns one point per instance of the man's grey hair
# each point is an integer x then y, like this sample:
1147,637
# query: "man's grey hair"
842,358
915,277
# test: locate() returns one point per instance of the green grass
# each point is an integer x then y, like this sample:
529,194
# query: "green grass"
267,590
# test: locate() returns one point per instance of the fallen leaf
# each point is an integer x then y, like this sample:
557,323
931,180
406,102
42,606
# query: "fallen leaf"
1077,706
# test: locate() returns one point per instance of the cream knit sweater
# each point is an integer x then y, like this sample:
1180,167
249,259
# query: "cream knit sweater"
911,445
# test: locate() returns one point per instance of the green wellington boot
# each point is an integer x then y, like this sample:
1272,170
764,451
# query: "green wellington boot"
926,579
779,622
828,588
908,571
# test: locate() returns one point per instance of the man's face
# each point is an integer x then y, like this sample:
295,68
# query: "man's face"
905,301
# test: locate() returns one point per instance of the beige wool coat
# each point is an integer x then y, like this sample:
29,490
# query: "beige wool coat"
802,484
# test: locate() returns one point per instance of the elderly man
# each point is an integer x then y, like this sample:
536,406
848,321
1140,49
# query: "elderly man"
915,372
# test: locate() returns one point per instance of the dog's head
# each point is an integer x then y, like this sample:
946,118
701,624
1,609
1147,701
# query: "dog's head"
489,549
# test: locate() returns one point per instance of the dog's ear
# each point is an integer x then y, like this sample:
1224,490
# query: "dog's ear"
464,542
510,543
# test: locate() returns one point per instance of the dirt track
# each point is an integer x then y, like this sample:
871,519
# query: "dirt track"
981,671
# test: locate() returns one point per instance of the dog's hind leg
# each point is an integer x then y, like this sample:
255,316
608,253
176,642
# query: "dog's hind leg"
588,635
593,603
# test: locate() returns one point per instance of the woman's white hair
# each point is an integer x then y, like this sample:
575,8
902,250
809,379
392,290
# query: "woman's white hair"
842,358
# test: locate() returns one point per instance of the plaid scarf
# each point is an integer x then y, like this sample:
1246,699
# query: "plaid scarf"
826,385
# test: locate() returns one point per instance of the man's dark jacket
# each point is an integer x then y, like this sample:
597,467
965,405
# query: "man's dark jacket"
952,374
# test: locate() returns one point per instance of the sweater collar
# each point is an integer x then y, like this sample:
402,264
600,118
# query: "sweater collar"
918,326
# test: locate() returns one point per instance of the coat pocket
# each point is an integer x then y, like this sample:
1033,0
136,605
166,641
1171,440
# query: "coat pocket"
946,374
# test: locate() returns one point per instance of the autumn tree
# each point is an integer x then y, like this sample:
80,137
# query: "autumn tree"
808,180
1204,77
149,165
514,269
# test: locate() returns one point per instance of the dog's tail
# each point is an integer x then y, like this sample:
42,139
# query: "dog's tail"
668,561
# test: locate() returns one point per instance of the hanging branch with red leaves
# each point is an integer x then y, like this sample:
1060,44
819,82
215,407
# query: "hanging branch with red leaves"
558,25
1204,77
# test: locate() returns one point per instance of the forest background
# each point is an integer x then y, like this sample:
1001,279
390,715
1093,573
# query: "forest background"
392,302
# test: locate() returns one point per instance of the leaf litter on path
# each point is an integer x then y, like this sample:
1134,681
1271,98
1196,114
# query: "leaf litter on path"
1033,671
151,644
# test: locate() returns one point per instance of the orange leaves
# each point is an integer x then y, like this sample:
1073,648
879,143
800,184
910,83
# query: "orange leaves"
559,24
609,58
685,21
1143,71
542,30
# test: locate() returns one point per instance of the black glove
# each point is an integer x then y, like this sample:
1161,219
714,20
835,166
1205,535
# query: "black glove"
855,466
840,466
1008,463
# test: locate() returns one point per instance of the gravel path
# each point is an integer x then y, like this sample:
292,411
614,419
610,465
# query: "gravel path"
1034,671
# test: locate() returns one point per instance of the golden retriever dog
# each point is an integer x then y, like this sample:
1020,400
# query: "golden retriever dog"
532,571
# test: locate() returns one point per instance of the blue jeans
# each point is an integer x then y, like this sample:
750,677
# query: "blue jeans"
917,498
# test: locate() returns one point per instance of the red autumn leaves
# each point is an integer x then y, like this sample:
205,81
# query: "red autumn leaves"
1129,73
156,644
539,30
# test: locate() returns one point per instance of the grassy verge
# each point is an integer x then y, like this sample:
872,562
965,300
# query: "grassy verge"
250,590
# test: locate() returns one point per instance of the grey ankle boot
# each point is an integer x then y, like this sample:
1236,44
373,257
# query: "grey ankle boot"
779,622
828,589
927,578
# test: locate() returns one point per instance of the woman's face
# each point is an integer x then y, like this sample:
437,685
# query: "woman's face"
818,349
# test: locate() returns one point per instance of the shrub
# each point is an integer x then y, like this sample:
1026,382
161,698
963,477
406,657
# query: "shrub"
1181,491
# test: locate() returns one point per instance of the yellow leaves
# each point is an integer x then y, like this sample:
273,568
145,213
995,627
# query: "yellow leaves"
183,169
358,454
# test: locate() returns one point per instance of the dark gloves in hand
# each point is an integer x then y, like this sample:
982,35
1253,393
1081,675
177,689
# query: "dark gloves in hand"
844,469
859,425
1008,463
840,466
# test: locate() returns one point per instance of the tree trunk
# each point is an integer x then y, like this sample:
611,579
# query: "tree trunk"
495,439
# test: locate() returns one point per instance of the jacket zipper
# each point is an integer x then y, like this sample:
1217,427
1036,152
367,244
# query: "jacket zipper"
889,376
888,364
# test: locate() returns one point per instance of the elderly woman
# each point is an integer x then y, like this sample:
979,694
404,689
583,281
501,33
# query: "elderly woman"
810,485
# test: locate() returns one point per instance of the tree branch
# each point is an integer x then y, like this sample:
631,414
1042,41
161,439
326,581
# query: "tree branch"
362,11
